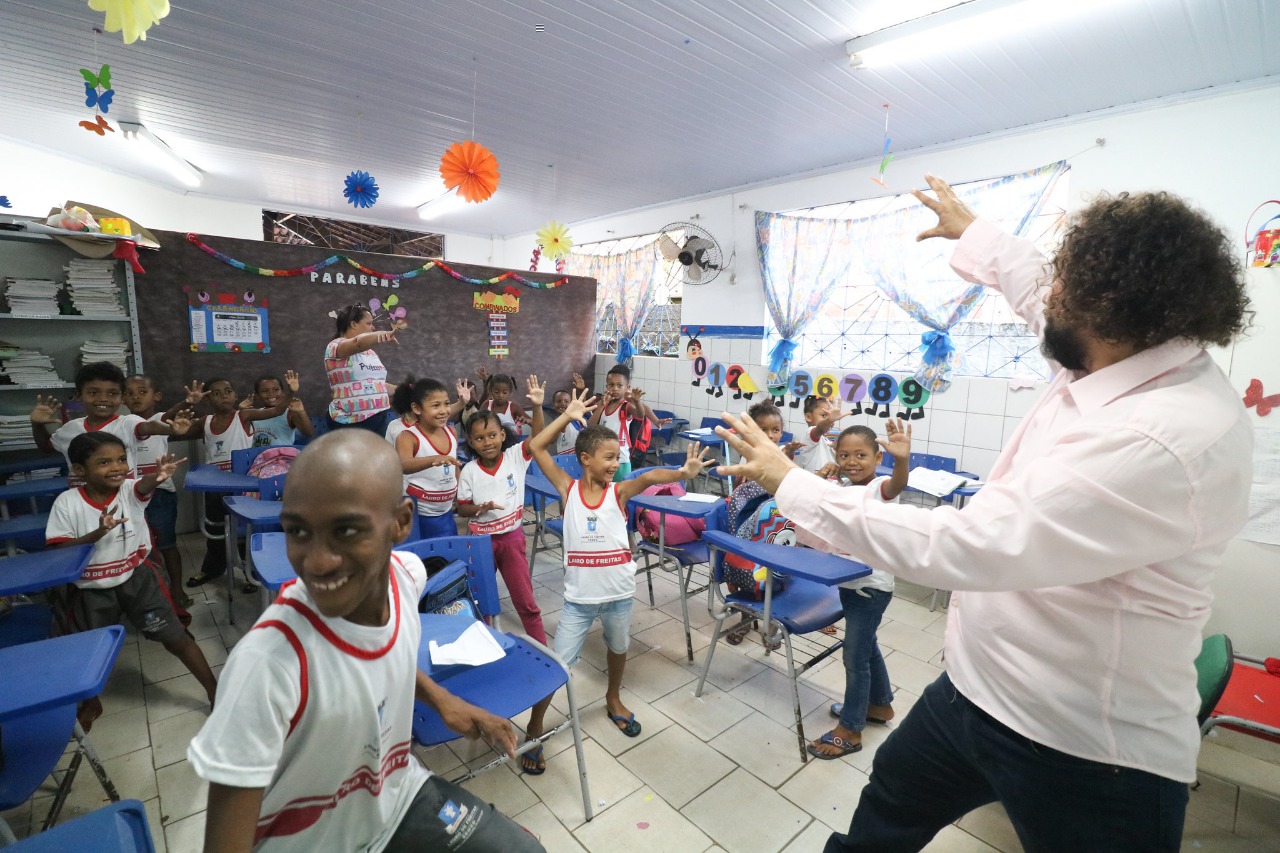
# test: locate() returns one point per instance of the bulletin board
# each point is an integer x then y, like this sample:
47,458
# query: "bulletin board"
447,337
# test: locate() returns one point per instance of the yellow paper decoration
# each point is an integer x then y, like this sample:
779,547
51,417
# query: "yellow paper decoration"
134,17
554,239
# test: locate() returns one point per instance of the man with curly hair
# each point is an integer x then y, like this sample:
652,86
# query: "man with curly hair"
1083,567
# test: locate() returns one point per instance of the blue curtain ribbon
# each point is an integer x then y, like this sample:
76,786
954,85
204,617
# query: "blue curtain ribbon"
936,346
626,351
781,354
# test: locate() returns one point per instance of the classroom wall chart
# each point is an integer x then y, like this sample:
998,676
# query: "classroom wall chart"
228,322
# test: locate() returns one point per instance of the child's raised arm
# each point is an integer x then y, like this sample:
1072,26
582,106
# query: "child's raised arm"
823,426
166,467
44,416
897,445
464,394
537,394
578,408
695,463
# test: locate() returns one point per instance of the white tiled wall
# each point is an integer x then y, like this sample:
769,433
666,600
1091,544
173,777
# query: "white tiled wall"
971,421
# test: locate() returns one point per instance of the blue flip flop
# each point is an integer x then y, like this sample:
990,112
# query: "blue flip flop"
631,729
535,756
833,739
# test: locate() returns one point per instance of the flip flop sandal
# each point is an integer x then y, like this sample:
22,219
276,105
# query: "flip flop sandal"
539,763
837,707
631,729
737,635
830,630
833,739
199,579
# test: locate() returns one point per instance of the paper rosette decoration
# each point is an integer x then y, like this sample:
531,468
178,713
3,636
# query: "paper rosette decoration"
134,17
361,189
471,168
554,239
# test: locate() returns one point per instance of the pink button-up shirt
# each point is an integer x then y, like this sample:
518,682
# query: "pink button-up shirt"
1083,567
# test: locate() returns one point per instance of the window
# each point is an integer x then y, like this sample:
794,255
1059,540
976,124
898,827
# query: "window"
297,229
860,327
660,333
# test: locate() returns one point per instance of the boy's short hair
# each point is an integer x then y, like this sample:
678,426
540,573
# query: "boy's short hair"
591,438
84,445
811,402
620,370
99,371
764,409
142,377
865,433
209,383
266,377
560,391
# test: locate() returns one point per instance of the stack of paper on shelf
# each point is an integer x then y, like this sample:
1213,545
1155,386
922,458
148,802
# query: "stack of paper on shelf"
15,433
116,352
31,296
29,367
92,287
936,483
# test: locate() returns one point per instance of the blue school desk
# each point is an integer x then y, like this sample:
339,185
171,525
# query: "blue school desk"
34,572
51,673
684,556
116,828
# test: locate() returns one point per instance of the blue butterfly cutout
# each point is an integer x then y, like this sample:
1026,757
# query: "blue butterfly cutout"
4,201
101,101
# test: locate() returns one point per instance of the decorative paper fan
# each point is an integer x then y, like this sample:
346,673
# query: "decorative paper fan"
554,239
472,169
134,17
361,189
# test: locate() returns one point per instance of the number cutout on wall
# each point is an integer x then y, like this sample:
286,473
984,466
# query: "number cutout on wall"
799,386
882,391
699,370
912,395
715,378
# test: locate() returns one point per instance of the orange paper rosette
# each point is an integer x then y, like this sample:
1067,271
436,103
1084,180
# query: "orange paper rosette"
471,168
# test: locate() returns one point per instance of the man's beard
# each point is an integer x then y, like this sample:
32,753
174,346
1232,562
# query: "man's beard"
1063,344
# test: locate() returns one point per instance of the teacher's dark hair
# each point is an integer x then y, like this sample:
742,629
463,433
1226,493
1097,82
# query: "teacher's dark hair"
1148,268
348,315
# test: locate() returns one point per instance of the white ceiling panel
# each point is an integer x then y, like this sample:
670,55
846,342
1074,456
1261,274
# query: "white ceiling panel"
634,102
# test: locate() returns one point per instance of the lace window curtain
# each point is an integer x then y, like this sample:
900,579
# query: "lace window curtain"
915,276
626,283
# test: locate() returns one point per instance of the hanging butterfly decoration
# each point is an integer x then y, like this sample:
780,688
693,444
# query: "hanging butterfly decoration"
94,82
885,156
361,189
1254,397
99,127
4,201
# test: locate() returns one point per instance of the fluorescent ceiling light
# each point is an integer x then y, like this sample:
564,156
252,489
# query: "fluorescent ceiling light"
966,24
168,158
448,200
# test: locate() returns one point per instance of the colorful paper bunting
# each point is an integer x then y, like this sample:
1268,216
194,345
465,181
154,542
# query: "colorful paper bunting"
472,169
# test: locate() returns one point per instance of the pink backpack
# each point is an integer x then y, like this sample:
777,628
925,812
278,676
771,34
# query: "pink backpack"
680,531
273,462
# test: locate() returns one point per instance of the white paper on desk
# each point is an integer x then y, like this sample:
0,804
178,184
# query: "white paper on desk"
474,647
703,431
699,498
936,483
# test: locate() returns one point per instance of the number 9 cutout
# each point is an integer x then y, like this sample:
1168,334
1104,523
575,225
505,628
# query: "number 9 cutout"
912,396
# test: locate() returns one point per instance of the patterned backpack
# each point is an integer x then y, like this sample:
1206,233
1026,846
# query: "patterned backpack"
754,515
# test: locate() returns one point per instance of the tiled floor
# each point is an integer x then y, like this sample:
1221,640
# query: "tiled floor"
720,772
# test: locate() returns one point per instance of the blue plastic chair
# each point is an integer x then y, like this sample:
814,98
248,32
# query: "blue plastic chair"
41,684
526,674
477,553
801,608
118,828
686,557
721,452
244,516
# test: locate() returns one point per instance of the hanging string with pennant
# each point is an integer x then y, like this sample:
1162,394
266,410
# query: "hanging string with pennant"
885,156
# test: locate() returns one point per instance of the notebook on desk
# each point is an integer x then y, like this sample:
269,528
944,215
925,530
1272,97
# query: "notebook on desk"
936,483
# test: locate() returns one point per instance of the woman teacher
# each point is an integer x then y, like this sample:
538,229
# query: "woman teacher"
357,378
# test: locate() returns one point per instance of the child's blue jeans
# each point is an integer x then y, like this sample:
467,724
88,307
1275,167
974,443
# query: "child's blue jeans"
866,680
